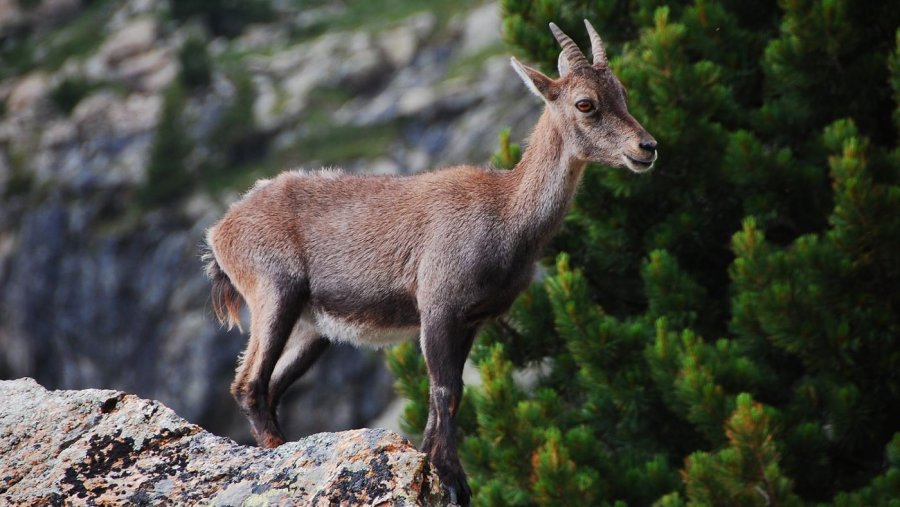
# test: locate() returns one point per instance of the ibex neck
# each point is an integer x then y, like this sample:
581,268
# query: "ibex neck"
545,182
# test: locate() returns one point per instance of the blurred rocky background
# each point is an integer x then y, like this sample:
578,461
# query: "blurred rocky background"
127,128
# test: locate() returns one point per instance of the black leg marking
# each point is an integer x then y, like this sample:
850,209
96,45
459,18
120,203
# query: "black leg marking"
445,345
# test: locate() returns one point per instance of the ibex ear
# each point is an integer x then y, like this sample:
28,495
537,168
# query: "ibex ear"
562,63
538,83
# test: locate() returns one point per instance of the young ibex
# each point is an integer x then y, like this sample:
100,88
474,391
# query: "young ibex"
371,260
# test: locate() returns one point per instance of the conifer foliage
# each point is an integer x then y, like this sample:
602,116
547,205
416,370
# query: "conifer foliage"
724,330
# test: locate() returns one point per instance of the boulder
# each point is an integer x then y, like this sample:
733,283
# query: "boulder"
102,447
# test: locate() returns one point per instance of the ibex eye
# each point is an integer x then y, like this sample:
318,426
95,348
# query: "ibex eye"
585,106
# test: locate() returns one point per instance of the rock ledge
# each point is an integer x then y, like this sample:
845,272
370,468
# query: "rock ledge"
104,447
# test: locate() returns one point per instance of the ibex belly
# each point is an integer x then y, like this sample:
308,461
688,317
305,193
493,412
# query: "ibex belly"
358,333
369,318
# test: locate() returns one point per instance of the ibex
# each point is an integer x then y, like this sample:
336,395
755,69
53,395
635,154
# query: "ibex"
370,260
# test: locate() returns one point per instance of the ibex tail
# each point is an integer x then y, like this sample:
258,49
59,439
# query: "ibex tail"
226,300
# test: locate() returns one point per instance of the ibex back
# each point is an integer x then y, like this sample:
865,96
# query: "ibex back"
325,256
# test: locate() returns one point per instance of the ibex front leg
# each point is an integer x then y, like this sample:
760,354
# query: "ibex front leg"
445,344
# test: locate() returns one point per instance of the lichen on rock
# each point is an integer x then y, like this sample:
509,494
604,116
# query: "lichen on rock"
104,447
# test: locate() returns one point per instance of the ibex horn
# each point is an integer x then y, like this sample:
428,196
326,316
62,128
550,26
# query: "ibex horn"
597,51
570,49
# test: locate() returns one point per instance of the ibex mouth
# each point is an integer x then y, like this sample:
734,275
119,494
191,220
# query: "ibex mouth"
639,165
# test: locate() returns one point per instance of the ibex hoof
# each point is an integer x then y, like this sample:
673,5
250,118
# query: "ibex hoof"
271,441
459,495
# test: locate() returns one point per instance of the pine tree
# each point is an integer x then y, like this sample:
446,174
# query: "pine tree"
726,329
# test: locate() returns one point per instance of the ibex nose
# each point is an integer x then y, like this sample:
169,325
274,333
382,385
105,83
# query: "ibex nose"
648,145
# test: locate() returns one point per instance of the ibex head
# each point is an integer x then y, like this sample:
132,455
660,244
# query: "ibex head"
587,104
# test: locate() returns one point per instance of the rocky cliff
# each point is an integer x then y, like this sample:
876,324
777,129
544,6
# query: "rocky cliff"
100,287
101,447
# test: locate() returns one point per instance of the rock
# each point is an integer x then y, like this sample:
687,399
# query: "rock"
297,71
134,114
266,111
480,28
415,101
134,56
360,63
54,12
313,16
27,92
423,24
260,37
58,133
38,16
150,71
423,102
107,447
382,165
10,14
135,37
417,160
94,68
399,45
105,144
128,10
160,79
5,173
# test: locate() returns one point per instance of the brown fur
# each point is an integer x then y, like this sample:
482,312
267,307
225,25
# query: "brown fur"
367,259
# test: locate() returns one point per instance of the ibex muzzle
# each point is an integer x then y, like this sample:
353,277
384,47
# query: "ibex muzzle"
321,257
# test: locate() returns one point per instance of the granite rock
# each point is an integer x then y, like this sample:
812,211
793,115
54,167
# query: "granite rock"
103,447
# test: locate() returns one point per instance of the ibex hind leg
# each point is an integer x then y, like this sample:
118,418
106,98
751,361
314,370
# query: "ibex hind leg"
302,350
273,313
